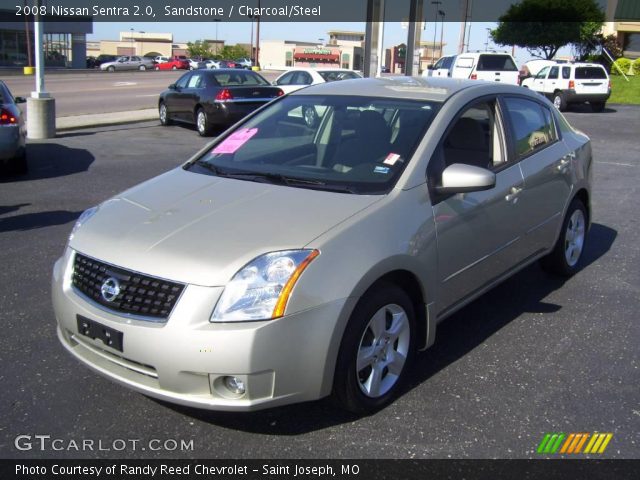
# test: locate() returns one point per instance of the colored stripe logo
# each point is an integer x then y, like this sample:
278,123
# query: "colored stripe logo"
573,443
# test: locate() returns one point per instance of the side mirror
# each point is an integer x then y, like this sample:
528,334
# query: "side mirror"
20,100
461,178
172,86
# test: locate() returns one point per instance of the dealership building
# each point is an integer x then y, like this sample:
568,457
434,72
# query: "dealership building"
64,43
344,49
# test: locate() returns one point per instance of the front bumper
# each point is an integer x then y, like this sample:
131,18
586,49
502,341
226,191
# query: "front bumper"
184,360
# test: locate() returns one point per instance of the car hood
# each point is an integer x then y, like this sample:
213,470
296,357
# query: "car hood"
201,229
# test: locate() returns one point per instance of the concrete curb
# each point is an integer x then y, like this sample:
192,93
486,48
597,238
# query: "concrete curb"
105,119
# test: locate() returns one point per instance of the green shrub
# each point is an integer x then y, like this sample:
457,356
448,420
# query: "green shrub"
636,66
623,63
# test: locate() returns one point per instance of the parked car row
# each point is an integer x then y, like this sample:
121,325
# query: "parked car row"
563,82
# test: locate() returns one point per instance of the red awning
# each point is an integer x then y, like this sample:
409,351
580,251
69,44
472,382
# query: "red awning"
315,57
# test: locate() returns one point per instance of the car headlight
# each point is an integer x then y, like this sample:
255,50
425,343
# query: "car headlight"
84,216
261,289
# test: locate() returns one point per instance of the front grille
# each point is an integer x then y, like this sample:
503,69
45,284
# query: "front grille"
139,294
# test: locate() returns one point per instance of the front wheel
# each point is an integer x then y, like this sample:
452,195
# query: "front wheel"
564,259
142,68
111,69
164,115
174,68
376,349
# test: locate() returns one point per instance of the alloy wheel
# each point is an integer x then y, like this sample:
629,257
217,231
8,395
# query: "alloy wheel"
574,238
383,351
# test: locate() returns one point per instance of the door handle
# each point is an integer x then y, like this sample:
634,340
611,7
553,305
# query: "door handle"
512,196
565,161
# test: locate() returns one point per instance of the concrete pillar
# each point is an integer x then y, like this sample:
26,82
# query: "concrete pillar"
41,118
412,59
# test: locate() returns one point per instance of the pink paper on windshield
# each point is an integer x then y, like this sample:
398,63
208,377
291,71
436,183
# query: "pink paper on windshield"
233,142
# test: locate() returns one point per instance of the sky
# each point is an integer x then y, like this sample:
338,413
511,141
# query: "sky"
240,32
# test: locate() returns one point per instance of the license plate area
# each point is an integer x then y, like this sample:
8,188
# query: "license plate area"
109,336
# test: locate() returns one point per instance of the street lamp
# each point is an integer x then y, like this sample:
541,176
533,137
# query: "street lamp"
142,42
435,27
133,50
441,12
486,44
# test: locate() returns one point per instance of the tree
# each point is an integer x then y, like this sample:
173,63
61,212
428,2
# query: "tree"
545,26
199,49
232,52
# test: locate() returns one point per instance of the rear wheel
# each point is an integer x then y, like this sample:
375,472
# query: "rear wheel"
376,349
565,257
597,106
157,67
202,123
164,115
559,101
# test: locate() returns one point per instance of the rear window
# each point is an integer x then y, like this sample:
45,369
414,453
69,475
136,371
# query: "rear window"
499,63
587,73
229,79
332,76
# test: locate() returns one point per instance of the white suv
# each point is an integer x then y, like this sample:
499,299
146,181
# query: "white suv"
490,66
565,84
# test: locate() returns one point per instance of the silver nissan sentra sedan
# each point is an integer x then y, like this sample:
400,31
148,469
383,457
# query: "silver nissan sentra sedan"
312,248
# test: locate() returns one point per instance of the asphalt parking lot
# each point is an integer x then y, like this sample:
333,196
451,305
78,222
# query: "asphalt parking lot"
535,355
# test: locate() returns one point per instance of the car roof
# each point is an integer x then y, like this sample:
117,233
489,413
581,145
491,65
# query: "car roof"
436,89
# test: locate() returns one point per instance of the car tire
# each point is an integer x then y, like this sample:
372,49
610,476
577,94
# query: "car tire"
380,333
597,106
310,116
202,123
157,68
163,113
174,68
142,68
111,69
559,101
564,259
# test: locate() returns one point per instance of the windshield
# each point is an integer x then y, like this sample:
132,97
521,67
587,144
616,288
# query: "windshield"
349,144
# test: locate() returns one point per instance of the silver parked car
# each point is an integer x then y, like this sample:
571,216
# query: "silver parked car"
128,63
13,133
286,262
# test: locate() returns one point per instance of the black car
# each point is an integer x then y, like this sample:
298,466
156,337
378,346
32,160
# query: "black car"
13,159
214,98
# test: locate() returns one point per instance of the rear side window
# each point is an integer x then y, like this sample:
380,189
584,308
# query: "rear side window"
588,73
465,62
499,63
531,125
566,73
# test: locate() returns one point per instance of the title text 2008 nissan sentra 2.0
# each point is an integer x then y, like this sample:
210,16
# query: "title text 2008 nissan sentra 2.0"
312,249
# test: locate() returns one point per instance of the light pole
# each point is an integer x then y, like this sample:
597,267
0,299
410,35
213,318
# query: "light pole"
435,28
133,50
441,12
142,42
486,44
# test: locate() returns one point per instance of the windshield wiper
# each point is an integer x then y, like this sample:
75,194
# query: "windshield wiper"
279,179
